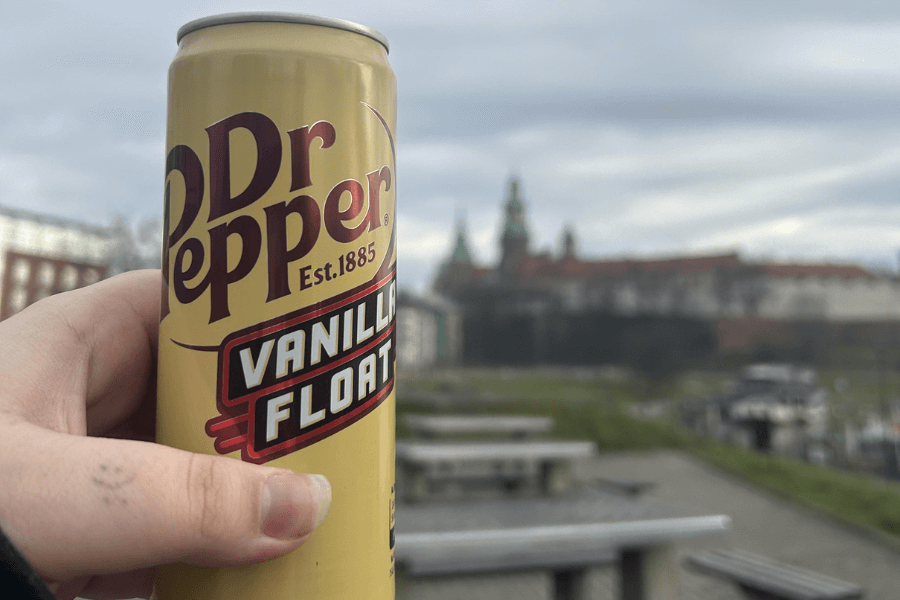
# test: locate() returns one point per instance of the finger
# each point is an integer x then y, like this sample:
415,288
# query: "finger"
94,346
127,505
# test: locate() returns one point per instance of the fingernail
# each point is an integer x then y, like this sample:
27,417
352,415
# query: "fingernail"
323,494
288,499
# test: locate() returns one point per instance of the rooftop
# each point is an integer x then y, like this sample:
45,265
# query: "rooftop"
545,266
44,219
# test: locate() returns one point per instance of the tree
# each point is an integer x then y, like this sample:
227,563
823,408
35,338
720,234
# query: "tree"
133,249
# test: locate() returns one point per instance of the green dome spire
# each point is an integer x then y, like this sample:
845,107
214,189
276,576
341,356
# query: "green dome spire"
515,212
461,249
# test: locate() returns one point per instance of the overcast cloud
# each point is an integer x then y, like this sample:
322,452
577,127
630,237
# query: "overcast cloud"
770,128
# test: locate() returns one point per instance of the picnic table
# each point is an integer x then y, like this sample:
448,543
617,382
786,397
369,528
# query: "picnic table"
563,536
428,468
517,426
763,577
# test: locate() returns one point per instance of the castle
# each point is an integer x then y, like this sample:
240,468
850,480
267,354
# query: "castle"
744,302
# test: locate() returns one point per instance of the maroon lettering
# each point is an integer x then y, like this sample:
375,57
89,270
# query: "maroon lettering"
268,162
279,256
376,178
349,210
219,277
335,217
182,275
305,282
184,160
301,140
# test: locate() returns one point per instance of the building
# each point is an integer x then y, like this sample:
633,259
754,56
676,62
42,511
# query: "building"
41,255
428,332
746,302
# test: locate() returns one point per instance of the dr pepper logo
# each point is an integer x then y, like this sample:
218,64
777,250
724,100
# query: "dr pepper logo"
285,383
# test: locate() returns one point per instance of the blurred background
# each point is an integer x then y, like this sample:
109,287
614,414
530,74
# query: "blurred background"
669,230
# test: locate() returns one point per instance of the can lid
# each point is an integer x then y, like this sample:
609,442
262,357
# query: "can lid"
279,17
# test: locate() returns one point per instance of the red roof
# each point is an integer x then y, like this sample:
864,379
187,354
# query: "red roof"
800,270
544,266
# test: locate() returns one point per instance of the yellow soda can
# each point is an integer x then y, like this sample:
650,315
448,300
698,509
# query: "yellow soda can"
277,341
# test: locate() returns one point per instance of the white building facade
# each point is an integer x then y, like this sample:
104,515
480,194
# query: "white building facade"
429,332
41,255
855,297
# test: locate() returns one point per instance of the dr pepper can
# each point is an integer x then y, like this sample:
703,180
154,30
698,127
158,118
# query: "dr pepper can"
277,341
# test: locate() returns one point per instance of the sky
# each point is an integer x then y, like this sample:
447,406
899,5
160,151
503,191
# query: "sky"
655,128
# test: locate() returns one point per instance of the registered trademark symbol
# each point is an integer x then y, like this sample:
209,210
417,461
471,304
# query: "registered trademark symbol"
385,219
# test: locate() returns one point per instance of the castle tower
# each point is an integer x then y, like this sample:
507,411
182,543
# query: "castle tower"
455,274
461,253
514,239
569,242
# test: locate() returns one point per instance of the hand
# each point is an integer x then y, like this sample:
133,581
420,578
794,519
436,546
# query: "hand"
93,514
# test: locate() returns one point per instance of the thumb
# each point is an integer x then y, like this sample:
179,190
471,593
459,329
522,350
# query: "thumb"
85,506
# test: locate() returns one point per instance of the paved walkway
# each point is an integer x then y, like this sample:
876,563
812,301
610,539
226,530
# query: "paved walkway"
762,523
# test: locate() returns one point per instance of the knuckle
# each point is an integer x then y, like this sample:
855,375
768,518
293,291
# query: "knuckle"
208,493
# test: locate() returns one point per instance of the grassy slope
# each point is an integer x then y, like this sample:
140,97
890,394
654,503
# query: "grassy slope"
857,499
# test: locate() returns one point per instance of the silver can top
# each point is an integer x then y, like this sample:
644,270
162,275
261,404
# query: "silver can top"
279,17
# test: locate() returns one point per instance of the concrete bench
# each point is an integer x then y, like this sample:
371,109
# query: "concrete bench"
517,426
427,469
642,549
440,554
761,577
